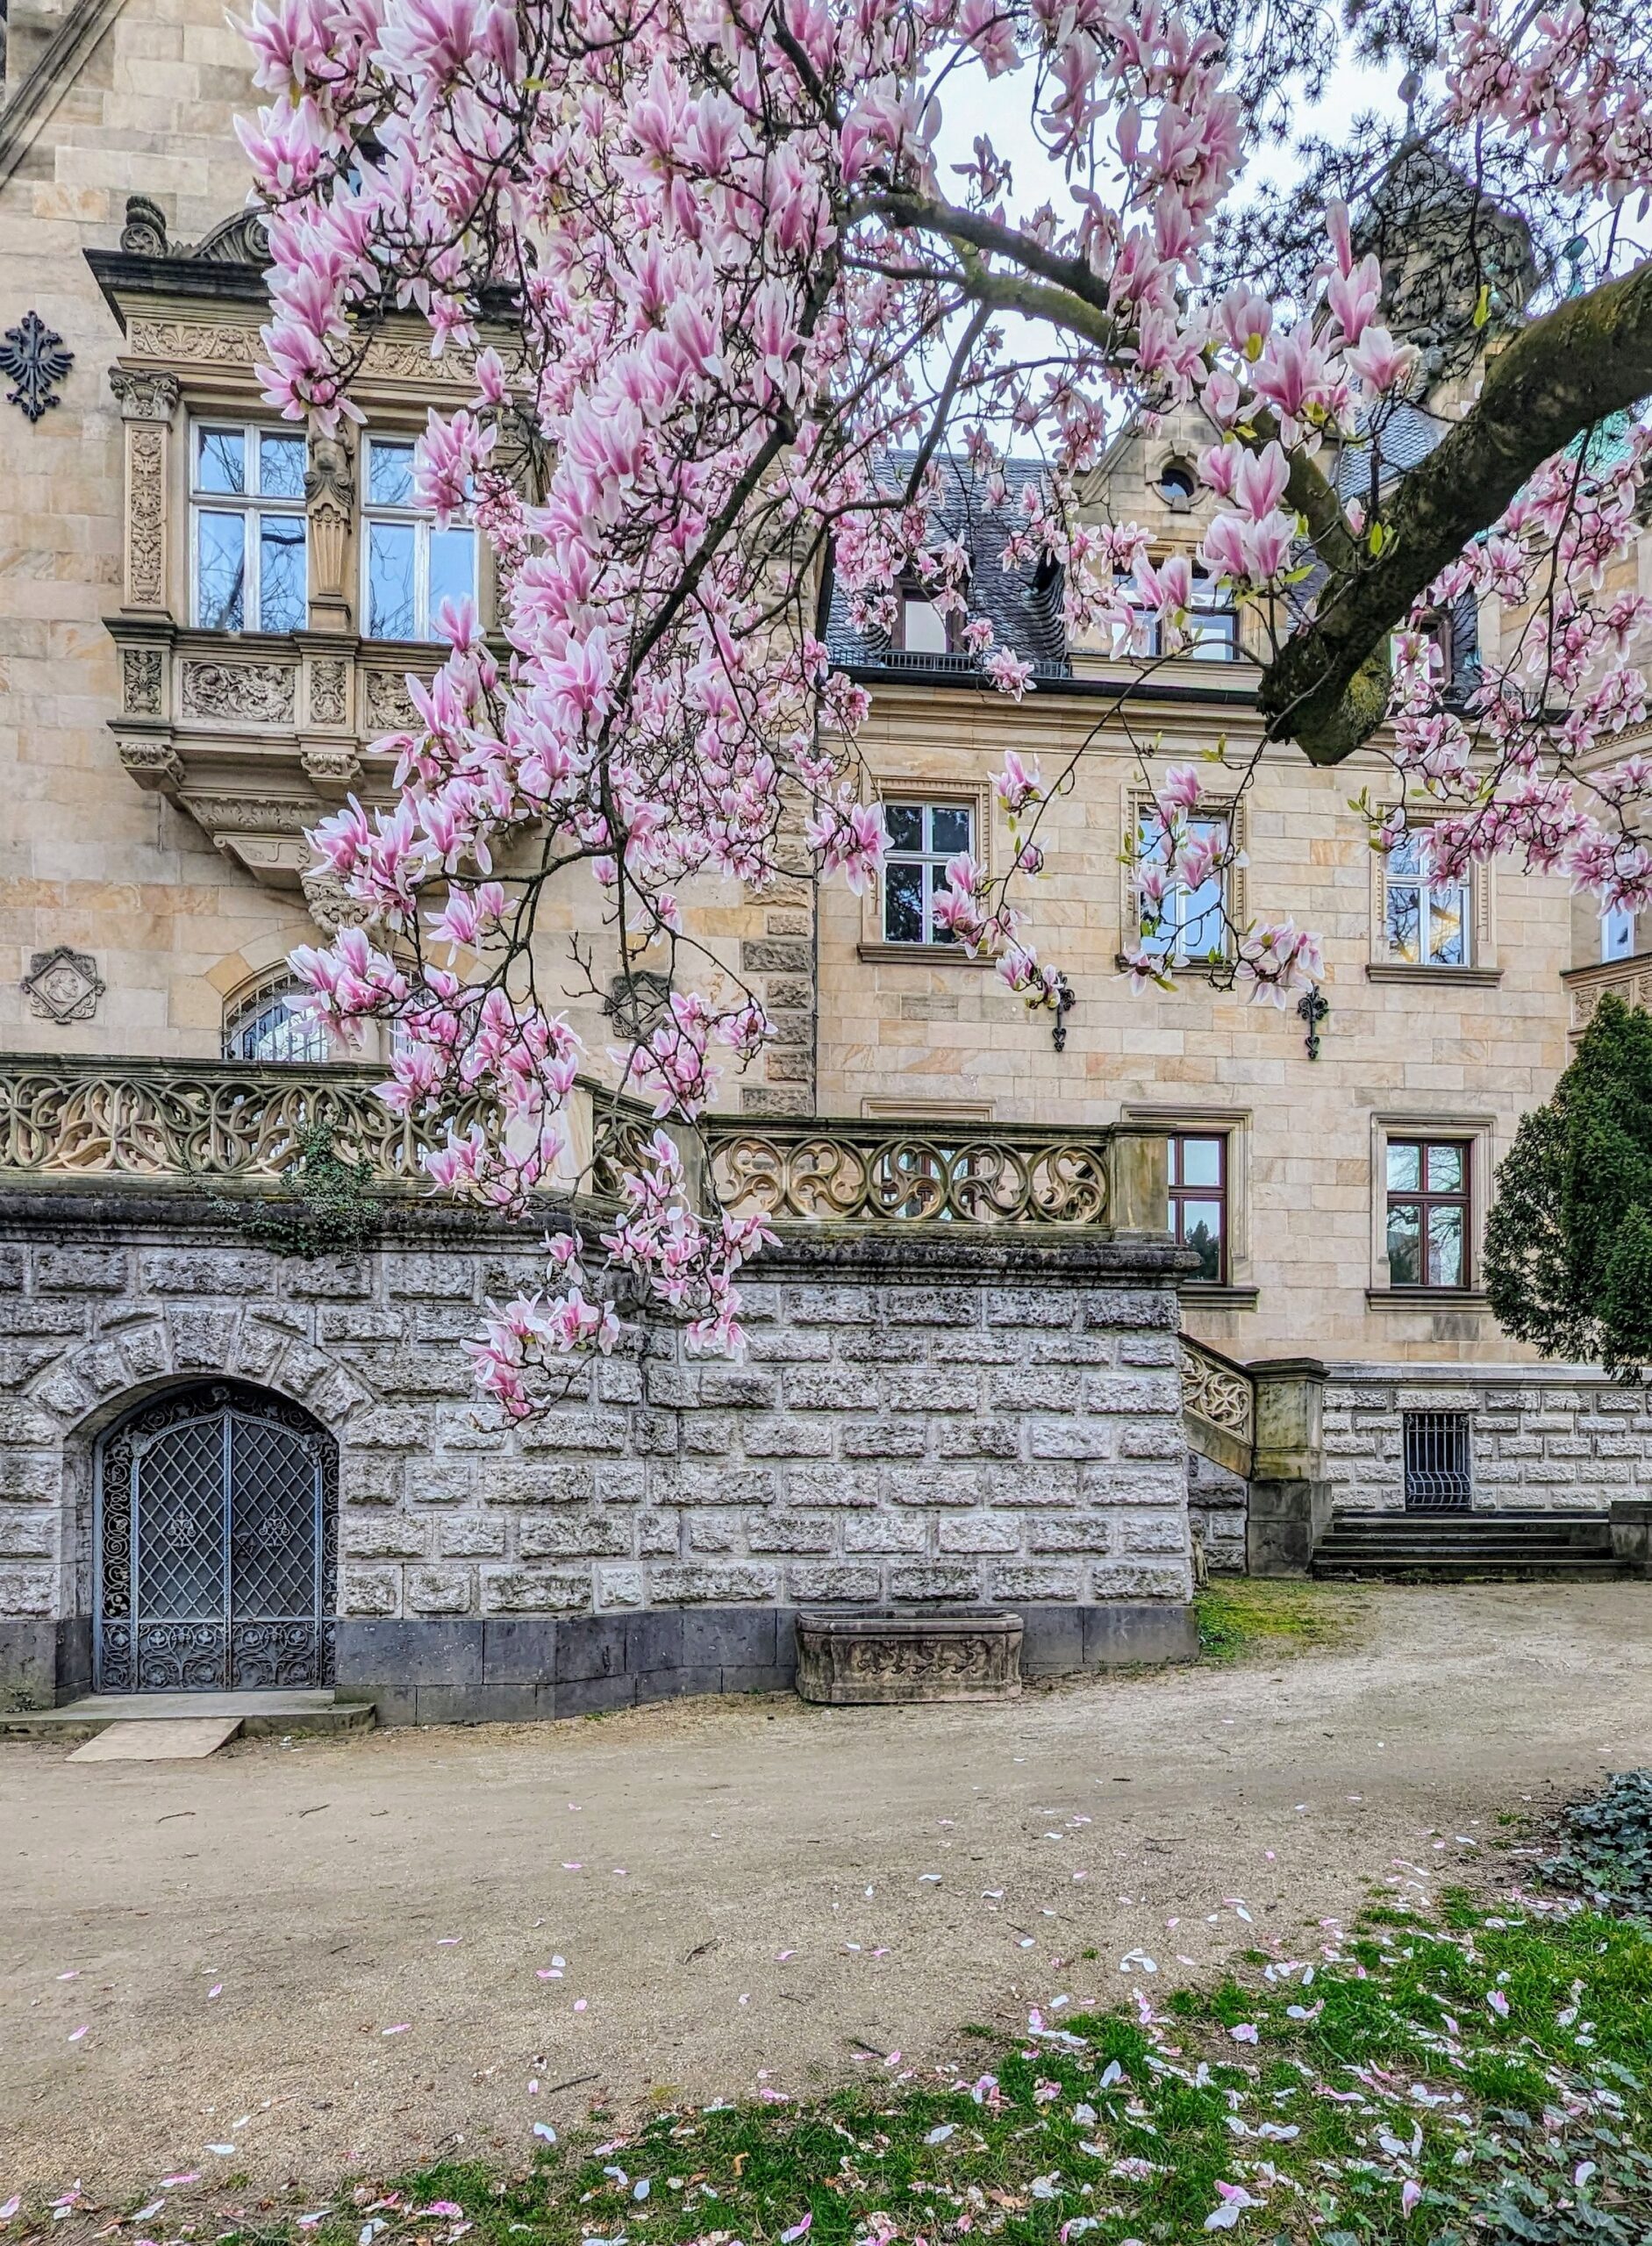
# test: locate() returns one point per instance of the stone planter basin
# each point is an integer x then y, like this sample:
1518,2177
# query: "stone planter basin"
896,1657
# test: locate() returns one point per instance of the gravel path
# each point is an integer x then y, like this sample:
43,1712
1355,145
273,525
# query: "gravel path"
338,1953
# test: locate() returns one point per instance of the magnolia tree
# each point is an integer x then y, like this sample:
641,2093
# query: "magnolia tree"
747,310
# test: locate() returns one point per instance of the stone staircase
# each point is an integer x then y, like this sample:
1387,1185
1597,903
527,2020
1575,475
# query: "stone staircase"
1466,1547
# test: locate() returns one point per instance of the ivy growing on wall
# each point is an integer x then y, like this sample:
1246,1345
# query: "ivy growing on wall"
324,1204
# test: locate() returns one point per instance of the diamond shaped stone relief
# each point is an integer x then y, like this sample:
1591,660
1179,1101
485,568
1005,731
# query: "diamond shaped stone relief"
63,985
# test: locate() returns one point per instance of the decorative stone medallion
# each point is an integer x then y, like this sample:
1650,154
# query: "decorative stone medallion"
895,1658
63,985
32,356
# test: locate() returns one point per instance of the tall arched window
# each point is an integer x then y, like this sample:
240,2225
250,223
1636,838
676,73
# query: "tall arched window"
259,1025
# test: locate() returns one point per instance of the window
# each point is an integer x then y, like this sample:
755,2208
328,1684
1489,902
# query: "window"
1187,924
1426,921
408,566
1198,1201
247,505
922,837
1427,1229
1213,625
1177,483
923,630
1617,932
260,1025
1437,1470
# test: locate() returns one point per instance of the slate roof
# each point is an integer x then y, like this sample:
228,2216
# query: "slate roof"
1024,606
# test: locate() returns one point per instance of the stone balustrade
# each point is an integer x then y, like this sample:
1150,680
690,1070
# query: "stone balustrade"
170,1124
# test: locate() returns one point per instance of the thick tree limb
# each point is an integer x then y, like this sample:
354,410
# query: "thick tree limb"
1328,688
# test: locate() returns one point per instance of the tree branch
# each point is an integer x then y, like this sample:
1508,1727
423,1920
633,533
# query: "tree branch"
1327,689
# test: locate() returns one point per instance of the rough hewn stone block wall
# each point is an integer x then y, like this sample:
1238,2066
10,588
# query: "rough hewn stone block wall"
909,1425
1540,1440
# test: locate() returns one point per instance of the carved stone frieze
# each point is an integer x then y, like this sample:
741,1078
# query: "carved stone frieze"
252,814
142,681
63,985
856,1660
329,693
389,709
261,694
232,344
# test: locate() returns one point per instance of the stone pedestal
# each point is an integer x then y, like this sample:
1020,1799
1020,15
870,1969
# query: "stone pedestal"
1632,1534
1289,1496
889,1658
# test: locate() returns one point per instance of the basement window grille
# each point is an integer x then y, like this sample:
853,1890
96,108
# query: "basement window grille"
1437,1473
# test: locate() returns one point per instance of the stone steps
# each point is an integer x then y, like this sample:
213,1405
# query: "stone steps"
260,1715
1460,1547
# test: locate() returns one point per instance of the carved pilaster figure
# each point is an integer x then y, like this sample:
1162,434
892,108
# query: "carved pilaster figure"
330,494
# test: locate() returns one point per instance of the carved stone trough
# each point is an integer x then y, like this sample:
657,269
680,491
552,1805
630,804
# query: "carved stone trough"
901,1657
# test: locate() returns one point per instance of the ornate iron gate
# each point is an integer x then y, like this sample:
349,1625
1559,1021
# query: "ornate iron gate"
217,1545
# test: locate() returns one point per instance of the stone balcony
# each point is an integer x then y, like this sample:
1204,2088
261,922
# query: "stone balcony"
258,736
1629,979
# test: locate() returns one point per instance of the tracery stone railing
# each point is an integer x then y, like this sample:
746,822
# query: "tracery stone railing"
1218,1404
846,1172
170,1122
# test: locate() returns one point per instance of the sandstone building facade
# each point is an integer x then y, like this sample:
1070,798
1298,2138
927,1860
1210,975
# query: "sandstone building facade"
205,624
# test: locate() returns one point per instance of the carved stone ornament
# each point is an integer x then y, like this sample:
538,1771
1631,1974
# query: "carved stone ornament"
242,238
331,906
63,985
252,814
260,694
330,493
145,231
860,1659
141,680
329,693
337,768
389,709
152,763
144,397
32,357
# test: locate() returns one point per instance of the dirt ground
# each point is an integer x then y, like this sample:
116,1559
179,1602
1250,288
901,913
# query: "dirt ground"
289,1961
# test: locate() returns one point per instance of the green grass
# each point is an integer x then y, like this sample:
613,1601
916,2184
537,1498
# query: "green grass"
1241,1615
1125,2126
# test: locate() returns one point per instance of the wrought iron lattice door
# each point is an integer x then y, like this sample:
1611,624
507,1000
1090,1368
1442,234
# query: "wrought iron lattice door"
216,1546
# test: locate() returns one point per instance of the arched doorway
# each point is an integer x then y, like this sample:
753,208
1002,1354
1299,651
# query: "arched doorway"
217,1545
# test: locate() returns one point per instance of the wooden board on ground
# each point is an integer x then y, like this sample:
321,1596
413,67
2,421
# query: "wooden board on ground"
159,1739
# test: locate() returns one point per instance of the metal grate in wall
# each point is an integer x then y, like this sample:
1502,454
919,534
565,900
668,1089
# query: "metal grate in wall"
1437,1471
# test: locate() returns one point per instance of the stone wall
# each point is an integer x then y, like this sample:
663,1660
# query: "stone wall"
914,1421
1553,1438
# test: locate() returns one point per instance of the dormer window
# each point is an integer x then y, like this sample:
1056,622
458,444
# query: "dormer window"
921,629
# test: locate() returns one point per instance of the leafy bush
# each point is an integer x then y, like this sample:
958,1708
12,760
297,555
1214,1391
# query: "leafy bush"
1609,1841
1569,1240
